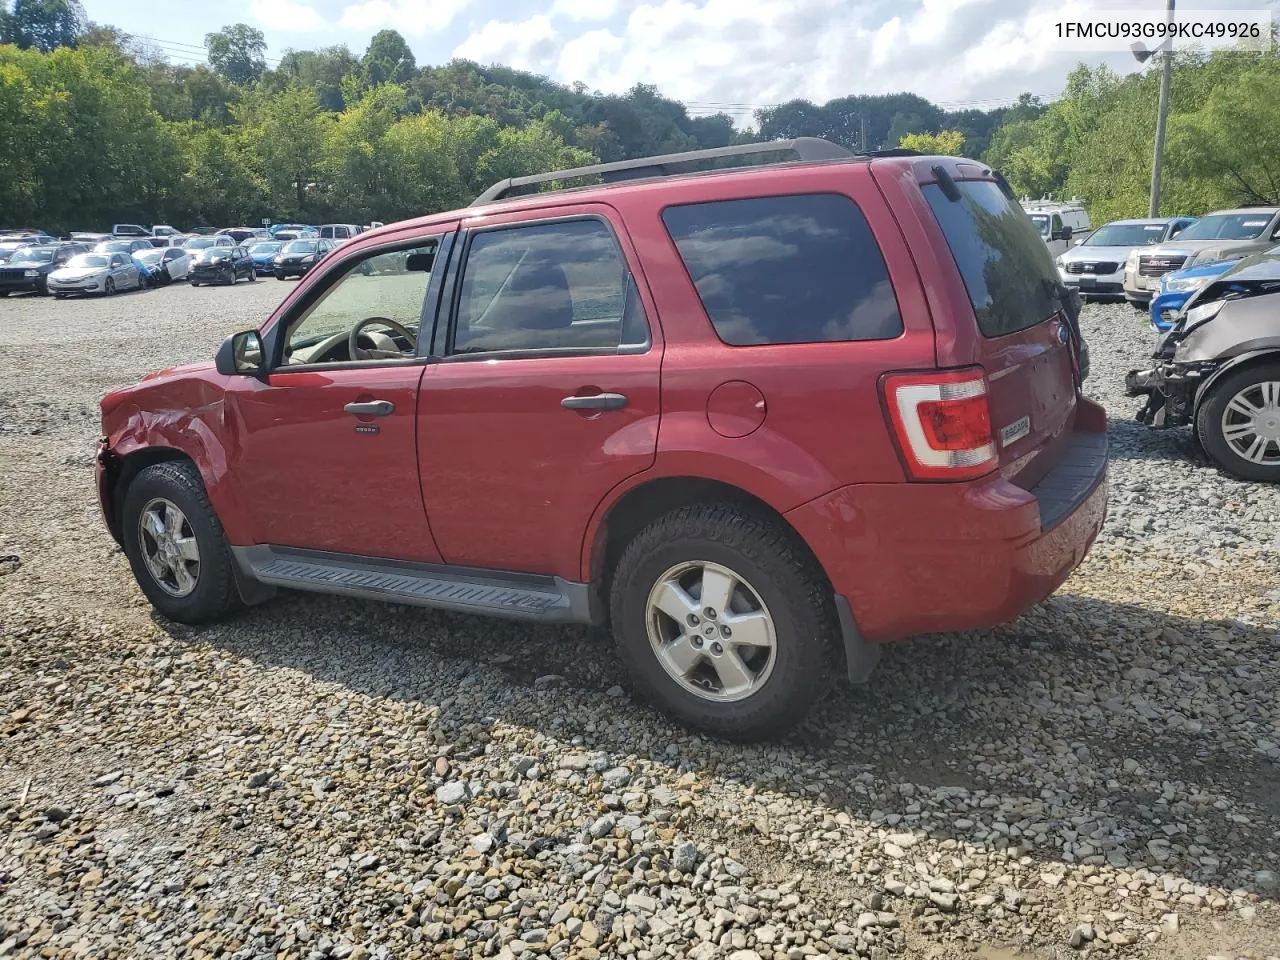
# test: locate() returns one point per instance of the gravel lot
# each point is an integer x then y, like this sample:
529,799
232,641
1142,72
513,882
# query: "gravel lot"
333,778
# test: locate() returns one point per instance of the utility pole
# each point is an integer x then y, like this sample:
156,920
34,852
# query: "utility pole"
1163,112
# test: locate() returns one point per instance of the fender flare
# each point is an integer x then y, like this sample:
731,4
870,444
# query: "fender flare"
1232,364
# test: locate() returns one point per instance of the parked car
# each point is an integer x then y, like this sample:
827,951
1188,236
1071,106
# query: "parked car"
1218,369
28,270
193,244
859,419
175,262
93,239
164,230
264,254
9,247
219,264
295,229
339,231
1178,287
299,256
245,234
1215,236
27,236
129,230
1059,222
95,272
1095,265
123,245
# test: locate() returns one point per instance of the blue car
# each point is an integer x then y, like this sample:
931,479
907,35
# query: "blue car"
263,254
292,231
1177,287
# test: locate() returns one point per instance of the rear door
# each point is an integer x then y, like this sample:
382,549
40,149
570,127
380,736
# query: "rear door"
546,393
1005,315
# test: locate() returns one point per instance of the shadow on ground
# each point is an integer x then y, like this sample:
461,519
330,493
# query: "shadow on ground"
1038,712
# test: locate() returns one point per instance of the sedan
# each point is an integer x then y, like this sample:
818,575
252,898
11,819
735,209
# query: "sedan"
299,256
220,264
95,273
264,254
173,261
125,245
29,268
194,244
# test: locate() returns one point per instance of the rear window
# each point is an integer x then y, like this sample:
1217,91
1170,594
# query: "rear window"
1005,265
792,269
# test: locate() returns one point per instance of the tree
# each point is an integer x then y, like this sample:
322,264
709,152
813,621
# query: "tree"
322,71
43,24
237,53
287,132
947,143
388,59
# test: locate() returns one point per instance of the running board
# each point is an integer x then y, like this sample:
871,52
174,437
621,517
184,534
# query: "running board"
522,596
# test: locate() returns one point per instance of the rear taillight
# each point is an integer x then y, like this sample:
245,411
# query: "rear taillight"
942,422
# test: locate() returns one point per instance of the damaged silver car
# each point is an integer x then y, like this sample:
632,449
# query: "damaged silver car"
1218,369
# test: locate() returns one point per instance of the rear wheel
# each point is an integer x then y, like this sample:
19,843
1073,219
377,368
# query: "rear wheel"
279,275
109,287
175,545
723,621
253,274
1238,423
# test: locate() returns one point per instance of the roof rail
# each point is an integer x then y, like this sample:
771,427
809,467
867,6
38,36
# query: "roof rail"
808,149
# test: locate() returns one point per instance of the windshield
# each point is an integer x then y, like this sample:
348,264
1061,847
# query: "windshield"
86,260
1227,226
32,256
301,246
1041,222
261,248
149,256
1007,271
115,246
1126,235
212,253
199,243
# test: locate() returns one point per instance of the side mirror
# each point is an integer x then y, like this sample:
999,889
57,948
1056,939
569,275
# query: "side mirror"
1062,233
241,355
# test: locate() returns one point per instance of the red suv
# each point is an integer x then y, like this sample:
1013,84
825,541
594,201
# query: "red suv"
760,420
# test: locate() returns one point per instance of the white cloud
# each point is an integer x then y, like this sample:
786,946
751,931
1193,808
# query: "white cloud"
738,55
289,15
585,9
413,18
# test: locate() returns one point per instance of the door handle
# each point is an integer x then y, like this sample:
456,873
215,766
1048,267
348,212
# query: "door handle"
371,408
595,401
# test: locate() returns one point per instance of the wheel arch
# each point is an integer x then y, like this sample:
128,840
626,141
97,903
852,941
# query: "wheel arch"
121,471
1253,357
638,506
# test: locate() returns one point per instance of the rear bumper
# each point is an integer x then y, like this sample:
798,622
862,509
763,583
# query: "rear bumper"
914,558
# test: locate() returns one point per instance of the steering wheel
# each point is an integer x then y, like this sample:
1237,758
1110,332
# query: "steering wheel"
356,352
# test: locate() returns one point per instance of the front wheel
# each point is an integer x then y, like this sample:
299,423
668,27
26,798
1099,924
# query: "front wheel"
1238,423
724,621
279,275
109,287
175,545
253,274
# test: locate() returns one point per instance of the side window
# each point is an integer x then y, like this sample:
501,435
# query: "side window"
369,292
551,286
791,269
1057,223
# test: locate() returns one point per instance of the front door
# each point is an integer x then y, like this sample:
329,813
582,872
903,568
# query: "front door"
546,395
329,445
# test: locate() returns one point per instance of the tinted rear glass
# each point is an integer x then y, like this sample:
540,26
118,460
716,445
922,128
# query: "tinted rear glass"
1005,265
794,269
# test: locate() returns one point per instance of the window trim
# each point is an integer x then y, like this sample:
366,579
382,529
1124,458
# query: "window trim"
442,339
274,338
825,192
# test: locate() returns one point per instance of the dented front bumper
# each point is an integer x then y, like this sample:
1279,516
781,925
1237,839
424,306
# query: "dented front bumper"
1171,389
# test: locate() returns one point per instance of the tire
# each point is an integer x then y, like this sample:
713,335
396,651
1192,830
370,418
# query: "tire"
194,283
777,572
253,275
42,287
59,296
230,278
214,596
1252,384
279,275
109,287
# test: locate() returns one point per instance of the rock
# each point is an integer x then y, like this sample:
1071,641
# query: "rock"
589,934
616,778
453,793
766,935
603,826
745,955
549,682
259,779
1169,923
107,779
482,843
1266,882
641,903
946,902
685,857
1081,935
91,880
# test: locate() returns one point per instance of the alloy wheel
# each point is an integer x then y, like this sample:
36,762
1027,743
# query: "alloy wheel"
1251,423
169,547
710,631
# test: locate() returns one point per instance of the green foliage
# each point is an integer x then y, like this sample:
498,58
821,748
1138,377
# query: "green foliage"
946,143
388,59
237,53
42,24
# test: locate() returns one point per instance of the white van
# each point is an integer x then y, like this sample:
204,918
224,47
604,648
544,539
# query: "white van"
339,231
1061,222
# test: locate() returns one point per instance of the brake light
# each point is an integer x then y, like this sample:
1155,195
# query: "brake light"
942,422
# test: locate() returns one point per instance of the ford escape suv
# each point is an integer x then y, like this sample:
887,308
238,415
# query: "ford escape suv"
759,419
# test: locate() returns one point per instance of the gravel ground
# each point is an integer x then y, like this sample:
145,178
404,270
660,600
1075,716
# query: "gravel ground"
333,778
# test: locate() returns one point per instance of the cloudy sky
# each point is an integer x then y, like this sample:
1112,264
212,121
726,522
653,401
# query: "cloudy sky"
731,55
